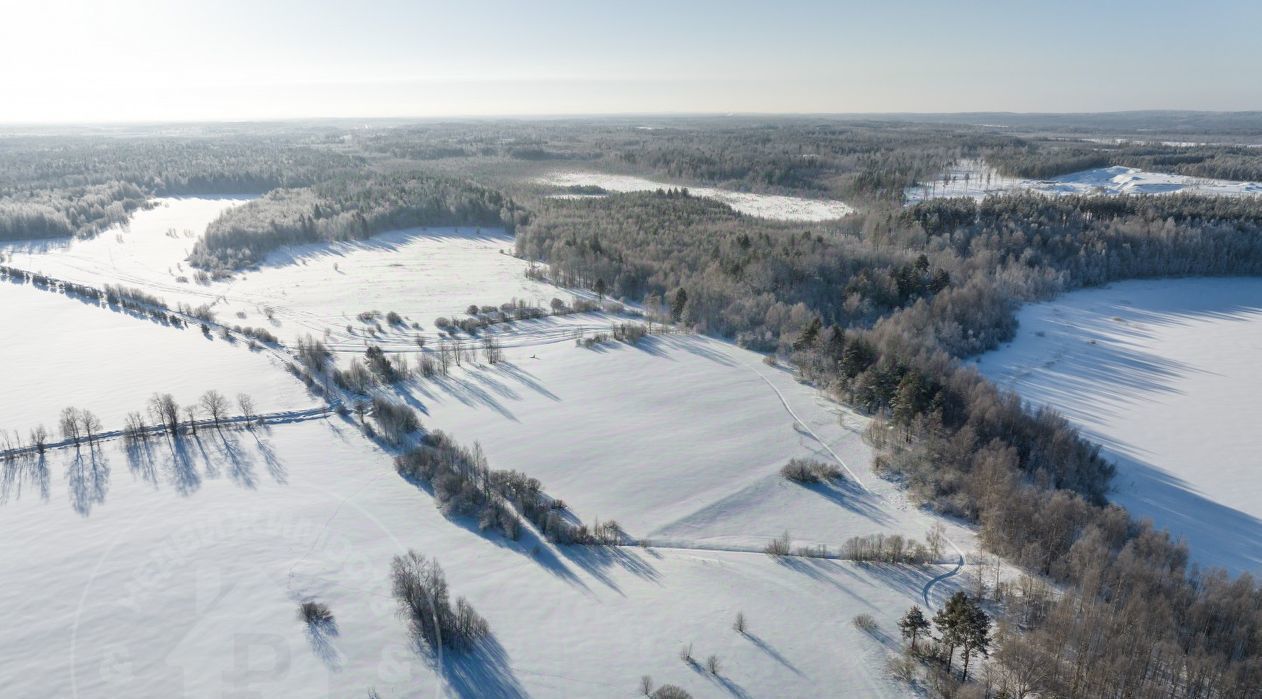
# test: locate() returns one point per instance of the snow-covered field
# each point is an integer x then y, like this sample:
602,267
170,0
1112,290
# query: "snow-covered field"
185,578
60,352
1164,375
769,206
177,569
420,273
970,178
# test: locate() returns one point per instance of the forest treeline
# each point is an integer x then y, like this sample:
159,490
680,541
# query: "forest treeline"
880,312
347,208
1042,160
78,186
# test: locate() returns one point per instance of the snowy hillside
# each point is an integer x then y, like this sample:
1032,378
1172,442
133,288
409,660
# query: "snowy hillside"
1163,374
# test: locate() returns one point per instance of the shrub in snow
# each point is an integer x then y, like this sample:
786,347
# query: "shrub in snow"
778,546
315,613
670,691
810,471
865,623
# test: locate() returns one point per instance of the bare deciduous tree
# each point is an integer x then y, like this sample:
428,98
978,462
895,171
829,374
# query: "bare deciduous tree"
215,405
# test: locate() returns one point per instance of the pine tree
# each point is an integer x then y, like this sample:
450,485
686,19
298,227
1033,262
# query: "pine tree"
677,306
950,621
913,624
974,633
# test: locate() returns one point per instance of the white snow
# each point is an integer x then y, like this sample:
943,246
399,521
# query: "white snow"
61,352
1164,375
420,273
177,570
974,179
770,206
168,589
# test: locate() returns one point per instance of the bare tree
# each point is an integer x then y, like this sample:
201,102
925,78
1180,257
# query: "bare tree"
91,424
215,405
70,425
190,412
246,403
39,438
165,411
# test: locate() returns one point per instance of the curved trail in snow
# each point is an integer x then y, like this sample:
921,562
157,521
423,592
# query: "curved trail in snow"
928,589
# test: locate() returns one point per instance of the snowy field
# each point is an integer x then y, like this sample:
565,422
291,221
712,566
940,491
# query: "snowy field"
61,352
680,439
1164,375
420,273
768,206
971,178
185,578
177,569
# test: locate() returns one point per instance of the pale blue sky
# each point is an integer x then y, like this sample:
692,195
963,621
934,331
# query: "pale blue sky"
68,60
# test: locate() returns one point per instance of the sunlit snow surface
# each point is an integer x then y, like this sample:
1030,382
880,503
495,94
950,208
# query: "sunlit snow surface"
1163,374
974,179
768,206
176,569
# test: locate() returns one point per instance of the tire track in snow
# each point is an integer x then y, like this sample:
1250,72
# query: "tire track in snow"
928,588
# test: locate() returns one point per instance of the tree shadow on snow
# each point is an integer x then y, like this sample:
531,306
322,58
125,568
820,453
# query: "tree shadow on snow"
771,651
88,479
483,671
19,471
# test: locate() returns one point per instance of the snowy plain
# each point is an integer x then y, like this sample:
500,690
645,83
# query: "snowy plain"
1163,374
770,206
976,180
177,569
184,577
421,274
61,352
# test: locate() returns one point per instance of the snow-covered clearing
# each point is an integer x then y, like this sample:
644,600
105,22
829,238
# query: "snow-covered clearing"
971,178
769,206
421,274
177,569
60,352
185,577
680,439
1164,375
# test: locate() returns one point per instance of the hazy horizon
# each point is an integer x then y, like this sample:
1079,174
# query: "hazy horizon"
137,61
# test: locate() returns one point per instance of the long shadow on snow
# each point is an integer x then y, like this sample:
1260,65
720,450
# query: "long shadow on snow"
529,543
725,683
846,493
88,479
771,651
22,470
482,672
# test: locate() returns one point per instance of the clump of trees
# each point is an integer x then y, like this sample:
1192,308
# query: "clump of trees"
420,589
465,485
347,208
395,420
